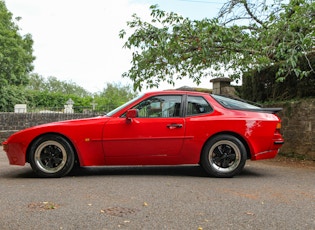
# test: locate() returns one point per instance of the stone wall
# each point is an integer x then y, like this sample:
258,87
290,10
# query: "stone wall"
298,125
298,128
13,122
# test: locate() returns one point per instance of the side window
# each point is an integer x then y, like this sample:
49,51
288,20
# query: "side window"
197,105
160,106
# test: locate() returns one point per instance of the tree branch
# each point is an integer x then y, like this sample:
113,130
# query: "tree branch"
252,15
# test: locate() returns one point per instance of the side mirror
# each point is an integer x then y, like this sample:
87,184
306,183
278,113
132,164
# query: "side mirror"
131,113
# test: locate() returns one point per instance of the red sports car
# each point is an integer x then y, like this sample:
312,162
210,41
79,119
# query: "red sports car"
157,128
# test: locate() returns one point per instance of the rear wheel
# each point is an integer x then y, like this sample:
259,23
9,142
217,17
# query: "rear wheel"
224,156
51,156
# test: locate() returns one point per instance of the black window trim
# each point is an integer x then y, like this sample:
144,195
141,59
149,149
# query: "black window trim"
186,106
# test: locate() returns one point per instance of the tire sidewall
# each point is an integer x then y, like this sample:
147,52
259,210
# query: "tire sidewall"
65,144
206,151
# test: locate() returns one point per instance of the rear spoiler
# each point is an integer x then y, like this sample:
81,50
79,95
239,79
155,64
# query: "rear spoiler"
271,110
263,110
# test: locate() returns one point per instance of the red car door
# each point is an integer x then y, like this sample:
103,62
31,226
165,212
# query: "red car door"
157,132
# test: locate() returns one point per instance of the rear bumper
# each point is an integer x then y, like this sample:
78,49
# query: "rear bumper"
265,155
272,153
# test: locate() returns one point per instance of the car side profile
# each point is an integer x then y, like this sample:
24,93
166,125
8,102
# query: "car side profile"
156,128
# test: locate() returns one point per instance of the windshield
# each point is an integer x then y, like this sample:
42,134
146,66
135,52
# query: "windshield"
233,104
123,106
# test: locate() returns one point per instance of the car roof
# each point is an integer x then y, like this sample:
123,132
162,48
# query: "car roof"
175,91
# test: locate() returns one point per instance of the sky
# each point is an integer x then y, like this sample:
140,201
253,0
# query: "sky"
77,40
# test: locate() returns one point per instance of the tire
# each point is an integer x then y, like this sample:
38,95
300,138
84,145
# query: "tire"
223,156
51,156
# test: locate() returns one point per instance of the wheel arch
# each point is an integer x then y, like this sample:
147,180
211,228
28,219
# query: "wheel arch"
248,152
77,161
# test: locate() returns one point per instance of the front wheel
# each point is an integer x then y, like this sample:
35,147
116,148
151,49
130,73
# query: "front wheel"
223,156
51,156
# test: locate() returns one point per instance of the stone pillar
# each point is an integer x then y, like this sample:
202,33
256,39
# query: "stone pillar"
20,108
68,106
222,86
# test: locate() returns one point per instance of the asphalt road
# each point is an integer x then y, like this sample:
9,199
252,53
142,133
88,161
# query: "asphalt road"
266,195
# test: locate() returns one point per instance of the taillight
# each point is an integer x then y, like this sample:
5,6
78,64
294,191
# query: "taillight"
277,138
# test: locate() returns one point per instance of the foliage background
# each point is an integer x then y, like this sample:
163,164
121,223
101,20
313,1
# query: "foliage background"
247,36
272,50
263,86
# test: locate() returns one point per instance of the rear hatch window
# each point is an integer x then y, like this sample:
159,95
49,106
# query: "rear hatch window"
239,104
233,103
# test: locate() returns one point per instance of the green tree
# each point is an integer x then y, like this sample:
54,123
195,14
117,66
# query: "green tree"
16,53
51,93
11,95
113,95
44,100
246,35
53,85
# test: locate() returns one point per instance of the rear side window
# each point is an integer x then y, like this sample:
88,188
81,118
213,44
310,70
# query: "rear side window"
197,105
234,104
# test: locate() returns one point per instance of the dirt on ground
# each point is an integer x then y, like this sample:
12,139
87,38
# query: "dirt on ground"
291,162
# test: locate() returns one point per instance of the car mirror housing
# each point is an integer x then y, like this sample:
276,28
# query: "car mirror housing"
131,113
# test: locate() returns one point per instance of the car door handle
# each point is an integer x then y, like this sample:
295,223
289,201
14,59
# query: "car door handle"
174,126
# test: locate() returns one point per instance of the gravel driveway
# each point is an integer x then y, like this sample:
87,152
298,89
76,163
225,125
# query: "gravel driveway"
267,195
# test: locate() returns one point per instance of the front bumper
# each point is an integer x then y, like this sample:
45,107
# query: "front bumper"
14,153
